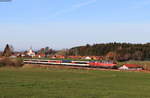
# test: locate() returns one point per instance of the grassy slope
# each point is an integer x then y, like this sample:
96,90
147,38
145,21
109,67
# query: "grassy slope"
56,83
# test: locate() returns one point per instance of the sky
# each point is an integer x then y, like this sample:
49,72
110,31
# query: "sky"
67,23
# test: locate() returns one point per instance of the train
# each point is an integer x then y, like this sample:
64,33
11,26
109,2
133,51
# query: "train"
95,64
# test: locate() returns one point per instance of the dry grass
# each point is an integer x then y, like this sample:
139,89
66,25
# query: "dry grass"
8,62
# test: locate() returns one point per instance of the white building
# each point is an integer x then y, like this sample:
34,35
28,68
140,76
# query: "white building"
88,58
31,52
131,67
123,67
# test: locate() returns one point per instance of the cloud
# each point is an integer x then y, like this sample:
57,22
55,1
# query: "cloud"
74,7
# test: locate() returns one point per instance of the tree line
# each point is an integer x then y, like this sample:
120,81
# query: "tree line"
47,51
114,51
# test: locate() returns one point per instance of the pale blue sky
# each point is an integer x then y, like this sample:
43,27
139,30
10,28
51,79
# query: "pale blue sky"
67,23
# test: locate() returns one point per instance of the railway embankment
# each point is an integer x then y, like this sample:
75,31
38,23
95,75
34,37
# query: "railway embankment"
78,68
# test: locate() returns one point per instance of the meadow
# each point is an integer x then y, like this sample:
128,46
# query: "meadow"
72,83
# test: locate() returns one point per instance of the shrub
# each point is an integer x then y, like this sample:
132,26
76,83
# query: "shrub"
10,62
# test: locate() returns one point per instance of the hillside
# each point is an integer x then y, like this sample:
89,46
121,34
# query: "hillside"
114,51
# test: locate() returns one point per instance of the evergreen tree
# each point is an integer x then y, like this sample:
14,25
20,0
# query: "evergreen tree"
7,51
118,51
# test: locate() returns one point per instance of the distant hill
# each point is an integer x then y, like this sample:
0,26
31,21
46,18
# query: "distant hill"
114,51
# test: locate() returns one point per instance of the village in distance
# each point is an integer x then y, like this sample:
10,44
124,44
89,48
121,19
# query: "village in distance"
121,56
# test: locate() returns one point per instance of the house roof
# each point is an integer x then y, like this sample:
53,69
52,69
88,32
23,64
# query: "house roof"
132,65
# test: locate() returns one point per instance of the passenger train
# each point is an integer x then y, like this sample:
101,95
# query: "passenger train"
95,64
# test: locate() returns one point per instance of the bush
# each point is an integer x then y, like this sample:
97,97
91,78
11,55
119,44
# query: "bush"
10,62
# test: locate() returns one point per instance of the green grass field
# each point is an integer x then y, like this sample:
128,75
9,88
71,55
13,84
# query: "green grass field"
71,83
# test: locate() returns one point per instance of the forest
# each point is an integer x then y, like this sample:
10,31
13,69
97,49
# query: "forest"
114,51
